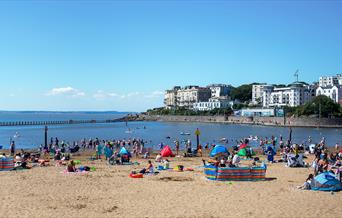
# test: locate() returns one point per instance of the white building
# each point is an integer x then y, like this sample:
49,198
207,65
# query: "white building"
329,81
212,104
257,93
266,95
189,95
333,92
170,98
219,90
294,95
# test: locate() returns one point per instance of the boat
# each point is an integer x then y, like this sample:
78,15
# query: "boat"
184,133
129,131
224,140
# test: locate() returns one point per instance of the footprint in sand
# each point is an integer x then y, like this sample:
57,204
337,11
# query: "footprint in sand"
176,179
111,209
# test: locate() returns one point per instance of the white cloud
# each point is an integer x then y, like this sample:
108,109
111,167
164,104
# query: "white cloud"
113,94
133,94
100,94
66,91
154,94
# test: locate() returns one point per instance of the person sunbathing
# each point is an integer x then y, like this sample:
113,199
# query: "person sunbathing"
148,169
307,183
71,167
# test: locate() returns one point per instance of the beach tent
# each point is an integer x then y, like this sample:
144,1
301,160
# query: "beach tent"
124,151
242,146
295,161
243,151
6,164
326,182
166,152
219,150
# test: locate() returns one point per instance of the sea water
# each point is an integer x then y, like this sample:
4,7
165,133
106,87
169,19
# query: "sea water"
153,133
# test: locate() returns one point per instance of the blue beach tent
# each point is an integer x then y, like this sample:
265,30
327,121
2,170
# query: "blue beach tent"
219,150
326,182
124,151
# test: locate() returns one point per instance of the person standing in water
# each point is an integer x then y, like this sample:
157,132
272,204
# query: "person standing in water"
177,146
161,145
12,148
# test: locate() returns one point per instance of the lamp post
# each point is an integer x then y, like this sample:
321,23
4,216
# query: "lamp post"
46,134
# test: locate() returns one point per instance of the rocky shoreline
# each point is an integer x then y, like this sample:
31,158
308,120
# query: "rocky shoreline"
264,121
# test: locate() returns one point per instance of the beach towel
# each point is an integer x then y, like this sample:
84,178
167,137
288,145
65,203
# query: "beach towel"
161,168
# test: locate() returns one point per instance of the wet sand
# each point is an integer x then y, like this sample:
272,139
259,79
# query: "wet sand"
109,192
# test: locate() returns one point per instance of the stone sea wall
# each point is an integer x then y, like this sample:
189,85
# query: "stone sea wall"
266,121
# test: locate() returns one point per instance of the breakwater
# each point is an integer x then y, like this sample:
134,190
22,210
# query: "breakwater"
266,121
65,122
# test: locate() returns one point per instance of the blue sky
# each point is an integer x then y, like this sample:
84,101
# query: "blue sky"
122,55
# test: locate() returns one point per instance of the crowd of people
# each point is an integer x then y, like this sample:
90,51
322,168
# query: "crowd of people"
326,160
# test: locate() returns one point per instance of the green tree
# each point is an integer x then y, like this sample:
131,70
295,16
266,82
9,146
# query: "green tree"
242,93
321,106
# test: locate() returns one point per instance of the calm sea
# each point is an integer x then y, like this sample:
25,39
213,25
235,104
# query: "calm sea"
152,132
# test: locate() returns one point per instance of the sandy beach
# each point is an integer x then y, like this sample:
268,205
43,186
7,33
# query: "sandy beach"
109,192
